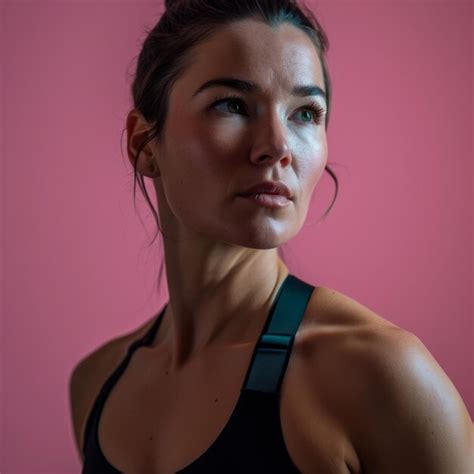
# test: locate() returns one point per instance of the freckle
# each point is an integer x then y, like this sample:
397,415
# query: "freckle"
166,372
150,438
216,400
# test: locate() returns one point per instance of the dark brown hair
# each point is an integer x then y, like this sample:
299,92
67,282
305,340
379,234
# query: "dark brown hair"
165,55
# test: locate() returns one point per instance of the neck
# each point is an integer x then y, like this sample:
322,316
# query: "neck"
219,305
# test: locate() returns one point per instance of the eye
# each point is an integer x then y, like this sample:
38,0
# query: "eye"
231,99
317,111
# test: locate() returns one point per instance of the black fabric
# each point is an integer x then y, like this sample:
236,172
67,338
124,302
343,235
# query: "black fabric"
252,440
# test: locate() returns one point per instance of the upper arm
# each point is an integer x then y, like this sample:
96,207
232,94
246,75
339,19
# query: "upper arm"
418,421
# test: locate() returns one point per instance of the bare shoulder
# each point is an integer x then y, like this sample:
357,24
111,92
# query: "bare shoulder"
339,343
86,380
99,362
342,327
91,372
385,389
332,307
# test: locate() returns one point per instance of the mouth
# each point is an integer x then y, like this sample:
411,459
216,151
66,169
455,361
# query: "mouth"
272,201
269,187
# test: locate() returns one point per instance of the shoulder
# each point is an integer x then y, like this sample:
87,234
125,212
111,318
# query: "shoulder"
339,327
392,398
419,419
101,359
99,362
85,382
337,349
91,372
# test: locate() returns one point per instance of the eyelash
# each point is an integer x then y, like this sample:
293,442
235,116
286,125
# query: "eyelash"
317,110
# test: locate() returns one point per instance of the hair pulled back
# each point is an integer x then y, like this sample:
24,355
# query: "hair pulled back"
165,55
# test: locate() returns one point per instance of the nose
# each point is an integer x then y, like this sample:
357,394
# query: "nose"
271,141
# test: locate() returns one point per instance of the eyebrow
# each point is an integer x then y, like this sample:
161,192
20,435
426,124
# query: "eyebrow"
247,86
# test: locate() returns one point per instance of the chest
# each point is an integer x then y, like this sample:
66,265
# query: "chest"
154,422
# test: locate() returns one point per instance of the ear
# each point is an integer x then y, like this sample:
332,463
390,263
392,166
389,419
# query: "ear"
137,132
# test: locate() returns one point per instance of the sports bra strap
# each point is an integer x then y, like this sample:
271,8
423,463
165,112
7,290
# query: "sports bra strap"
270,359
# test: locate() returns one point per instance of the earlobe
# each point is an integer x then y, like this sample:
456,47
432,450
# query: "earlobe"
148,167
143,163
153,168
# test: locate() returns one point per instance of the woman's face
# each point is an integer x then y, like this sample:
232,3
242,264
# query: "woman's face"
213,151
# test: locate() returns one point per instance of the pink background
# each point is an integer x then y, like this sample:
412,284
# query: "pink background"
75,268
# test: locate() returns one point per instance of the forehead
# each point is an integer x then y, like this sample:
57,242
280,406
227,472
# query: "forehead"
275,58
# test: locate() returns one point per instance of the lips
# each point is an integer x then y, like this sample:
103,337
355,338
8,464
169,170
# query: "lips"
271,201
269,187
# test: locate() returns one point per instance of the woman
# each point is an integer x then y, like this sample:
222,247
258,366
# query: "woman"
248,369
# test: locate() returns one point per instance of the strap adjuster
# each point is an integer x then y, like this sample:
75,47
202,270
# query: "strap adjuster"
276,341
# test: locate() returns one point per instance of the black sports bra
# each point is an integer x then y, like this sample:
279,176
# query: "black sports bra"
252,440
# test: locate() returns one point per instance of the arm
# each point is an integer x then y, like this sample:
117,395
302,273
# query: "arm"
419,423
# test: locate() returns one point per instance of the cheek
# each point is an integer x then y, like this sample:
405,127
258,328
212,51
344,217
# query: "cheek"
197,169
209,145
194,157
311,170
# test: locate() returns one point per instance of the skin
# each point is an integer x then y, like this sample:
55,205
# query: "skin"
223,269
